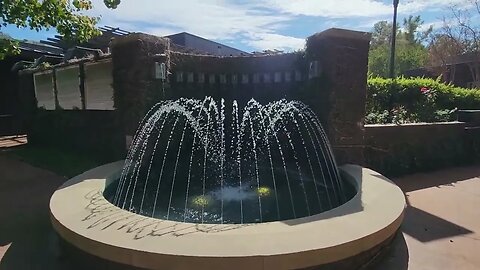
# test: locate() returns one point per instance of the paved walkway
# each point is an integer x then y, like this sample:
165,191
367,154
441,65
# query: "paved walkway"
26,237
441,228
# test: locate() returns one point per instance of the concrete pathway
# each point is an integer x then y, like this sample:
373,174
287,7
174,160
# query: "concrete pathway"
26,237
441,228
442,223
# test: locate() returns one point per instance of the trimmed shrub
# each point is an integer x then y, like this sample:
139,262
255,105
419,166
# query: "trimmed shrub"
411,100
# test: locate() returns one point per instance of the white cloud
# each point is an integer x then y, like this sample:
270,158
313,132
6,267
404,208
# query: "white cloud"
256,23
353,8
331,8
161,31
215,19
262,41
212,19
435,24
413,6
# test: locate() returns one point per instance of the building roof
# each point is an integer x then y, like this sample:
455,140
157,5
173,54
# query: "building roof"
464,58
101,42
203,45
183,41
35,47
59,47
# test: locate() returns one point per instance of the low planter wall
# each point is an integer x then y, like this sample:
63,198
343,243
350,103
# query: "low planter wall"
399,149
98,133
471,117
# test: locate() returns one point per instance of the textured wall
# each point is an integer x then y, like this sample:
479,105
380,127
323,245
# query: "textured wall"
265,78
64,126
330,77
97,133
133,59
400,149
343,56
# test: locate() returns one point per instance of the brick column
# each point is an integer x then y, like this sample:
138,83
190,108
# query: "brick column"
134,58
342,56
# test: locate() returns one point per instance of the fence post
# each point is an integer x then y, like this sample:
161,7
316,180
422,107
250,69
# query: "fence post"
55,88
81,84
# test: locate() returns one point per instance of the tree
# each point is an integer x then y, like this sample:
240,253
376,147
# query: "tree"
459,35
381,34
411,33
441,48
63,15
410,51
407,57
378,60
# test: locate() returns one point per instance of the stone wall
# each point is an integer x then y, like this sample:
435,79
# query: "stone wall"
79,129
97,133
264,78
133,59
400,149
472,131
471,117
9,98
343,55
330,77
26,94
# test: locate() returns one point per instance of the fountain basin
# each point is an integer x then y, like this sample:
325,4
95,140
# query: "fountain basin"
356,229
85,219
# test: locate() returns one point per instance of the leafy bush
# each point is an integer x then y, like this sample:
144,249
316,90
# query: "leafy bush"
406,100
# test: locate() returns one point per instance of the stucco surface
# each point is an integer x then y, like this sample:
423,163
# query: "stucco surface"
84,218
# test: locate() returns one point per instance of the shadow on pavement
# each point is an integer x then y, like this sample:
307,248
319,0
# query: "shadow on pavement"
426,227
26,240
434,179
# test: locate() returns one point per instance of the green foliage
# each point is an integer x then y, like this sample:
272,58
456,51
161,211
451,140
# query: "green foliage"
382,34
377,60
411,34
407,56
65,16
111,3
410,52
406,100
400,150
8,47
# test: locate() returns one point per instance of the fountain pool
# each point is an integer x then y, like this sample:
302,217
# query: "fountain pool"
211,185
203,161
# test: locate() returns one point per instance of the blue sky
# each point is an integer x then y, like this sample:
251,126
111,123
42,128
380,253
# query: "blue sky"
253,24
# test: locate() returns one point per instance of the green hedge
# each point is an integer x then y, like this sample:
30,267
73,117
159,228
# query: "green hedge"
409,100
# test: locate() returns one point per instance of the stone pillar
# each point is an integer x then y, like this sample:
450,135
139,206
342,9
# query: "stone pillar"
342,57
134,58
27,101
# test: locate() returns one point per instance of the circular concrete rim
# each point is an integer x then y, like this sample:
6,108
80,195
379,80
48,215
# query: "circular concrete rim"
84,218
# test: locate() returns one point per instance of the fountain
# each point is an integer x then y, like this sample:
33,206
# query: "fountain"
194,161
212,185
